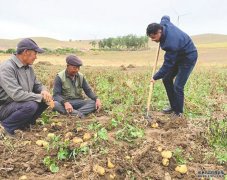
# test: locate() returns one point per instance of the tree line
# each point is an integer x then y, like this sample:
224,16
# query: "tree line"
129,42
60,51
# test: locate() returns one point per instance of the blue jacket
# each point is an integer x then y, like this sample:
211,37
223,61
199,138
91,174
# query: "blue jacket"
178,46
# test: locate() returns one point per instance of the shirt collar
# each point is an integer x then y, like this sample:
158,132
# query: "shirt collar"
163,36
67,75
18,62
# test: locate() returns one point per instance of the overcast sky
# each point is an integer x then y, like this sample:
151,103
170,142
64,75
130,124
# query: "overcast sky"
96,19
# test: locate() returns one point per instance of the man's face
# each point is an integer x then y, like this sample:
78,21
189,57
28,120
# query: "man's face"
29,56
72,70
157,36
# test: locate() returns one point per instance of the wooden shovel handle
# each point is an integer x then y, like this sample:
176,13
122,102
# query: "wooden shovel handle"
151,83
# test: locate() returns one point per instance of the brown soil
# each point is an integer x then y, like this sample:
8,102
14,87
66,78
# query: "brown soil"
140,159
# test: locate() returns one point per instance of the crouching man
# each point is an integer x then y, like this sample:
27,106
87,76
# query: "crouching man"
22,97
68,87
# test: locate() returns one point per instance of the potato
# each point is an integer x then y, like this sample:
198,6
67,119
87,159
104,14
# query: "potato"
59,124
44,129
87,136
79,129
165,162
53,124
68,135
50,135
110,164
51,104
154,125
23,177
99,170
127,157
25,143
166,154
45,144
181,169
42,143
159,148
112,176
83,144
39,142
77,140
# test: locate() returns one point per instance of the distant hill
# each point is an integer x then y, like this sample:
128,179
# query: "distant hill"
203,40
50,43
209,38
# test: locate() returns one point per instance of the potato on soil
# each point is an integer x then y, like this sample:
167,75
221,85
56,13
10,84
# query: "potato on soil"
165,162
51,104
50,135
23,177
159,148
154,125
59,124
86,136
83,144
77,140
112,176
181,169
127,157
39,142
110,164
79,129
42,143
68,135
99,170
166,154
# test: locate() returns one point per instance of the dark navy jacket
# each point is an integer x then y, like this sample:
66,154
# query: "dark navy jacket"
178,46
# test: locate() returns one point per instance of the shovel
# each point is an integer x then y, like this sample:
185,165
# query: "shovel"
148,117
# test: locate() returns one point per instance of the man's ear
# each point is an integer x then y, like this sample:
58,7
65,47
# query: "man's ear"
25,52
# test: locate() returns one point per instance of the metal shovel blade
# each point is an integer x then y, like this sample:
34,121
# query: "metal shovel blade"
148,117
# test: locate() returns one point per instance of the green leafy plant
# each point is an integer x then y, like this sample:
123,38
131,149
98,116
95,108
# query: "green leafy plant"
63,153
45,119
217,138
102,134
129,133
75,152
51,164
217,132
222,157
178,154
114,123
94,126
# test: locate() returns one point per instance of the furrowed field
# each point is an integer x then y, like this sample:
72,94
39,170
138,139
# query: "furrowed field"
118,143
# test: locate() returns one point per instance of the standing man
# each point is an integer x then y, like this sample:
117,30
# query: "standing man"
68,87
179,61
22,97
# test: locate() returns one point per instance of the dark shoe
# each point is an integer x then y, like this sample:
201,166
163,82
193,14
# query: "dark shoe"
175,115
81,115
167,110
4,133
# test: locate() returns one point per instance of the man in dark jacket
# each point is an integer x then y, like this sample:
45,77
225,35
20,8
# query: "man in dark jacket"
68,87
179,60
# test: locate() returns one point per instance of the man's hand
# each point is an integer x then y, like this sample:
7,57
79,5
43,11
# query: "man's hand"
46,96
68,107
98,104
152,80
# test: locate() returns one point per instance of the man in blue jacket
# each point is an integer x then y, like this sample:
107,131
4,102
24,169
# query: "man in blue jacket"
179,60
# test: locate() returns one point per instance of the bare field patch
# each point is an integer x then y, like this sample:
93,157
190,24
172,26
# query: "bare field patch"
207,57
